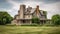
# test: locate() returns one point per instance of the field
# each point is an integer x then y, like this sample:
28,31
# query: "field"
29,30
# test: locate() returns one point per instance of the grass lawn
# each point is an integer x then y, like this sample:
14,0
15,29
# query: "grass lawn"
29,30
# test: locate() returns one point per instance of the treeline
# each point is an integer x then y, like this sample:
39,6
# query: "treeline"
5,18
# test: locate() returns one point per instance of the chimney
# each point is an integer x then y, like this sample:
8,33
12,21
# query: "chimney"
37,9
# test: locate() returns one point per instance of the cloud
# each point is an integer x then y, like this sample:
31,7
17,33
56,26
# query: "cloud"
5,5
51,6
45,1
16,6
50,1
51,9
14,9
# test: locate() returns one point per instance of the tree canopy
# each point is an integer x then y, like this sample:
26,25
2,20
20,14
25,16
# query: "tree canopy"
56,19
5,18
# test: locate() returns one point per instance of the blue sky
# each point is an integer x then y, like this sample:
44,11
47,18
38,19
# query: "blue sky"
12,6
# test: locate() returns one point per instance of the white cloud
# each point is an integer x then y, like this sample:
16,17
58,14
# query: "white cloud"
52,8
14,9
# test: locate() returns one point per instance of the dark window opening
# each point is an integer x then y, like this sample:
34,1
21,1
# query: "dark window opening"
23,21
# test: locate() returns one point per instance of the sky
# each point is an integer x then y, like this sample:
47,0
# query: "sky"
12,6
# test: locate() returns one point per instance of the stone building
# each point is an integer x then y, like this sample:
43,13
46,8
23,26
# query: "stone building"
25,15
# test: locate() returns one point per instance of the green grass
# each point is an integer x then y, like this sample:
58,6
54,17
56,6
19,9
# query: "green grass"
29,30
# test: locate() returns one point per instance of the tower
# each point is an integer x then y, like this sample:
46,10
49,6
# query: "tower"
21,11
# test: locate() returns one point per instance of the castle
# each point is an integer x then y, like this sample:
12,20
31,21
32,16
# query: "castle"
25,15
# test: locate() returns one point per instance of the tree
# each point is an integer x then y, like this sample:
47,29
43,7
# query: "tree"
35,20
4,18
56,19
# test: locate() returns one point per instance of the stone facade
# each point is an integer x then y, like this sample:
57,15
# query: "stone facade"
25,15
